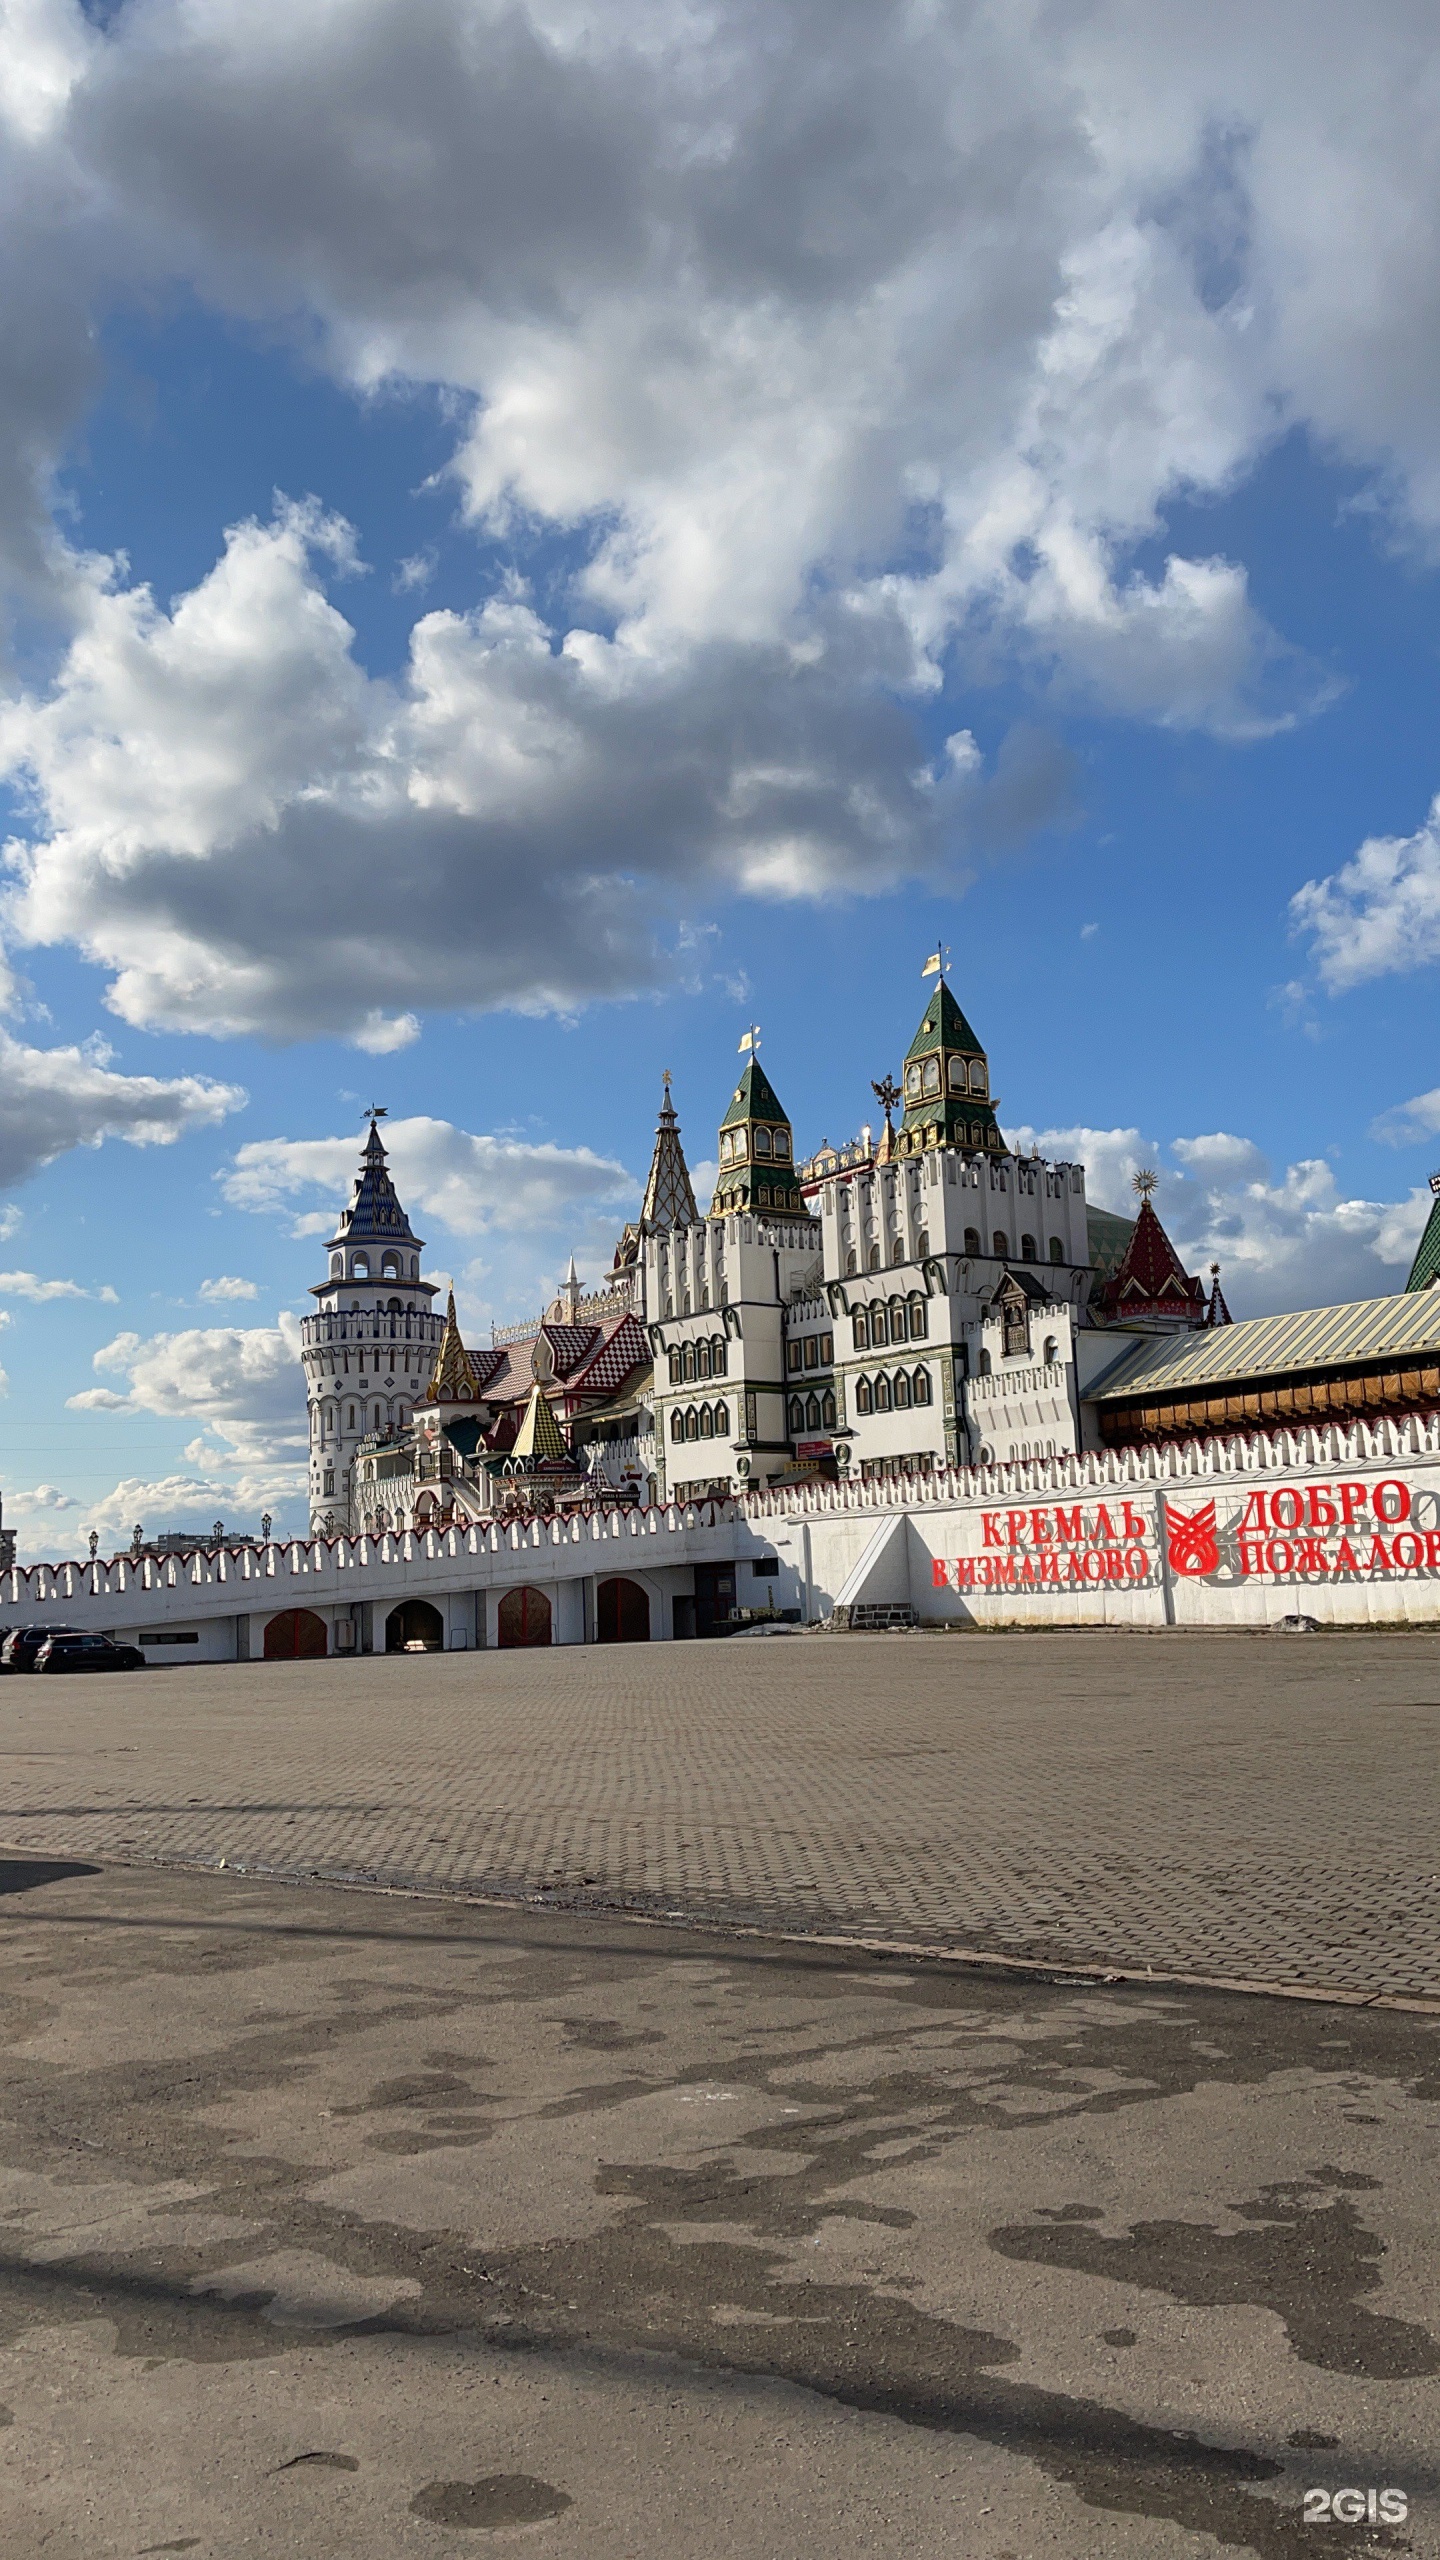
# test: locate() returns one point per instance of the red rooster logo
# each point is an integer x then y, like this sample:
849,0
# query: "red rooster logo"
1190,1536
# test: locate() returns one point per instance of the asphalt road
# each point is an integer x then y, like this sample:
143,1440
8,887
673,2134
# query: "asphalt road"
336,2223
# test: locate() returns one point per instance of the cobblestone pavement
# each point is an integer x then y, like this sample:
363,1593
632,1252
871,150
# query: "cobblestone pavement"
1255,1808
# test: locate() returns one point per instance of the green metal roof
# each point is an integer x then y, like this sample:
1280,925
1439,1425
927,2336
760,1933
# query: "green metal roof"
943,1027
1107,1237
1270,1346
755,1098
1425,1269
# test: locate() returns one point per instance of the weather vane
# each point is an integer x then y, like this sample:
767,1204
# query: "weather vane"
750,1039
377,1111
938,962
1144,1182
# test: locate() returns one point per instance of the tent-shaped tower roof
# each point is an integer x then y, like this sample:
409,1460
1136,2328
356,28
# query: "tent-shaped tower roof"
669,1198
1150,1284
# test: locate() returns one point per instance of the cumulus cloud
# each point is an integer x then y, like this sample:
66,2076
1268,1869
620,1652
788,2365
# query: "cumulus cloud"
469,1184
1291,1241
1410,1121
222,787
28,1284
245,1384
52,1100
217,1291
1379,915
845,353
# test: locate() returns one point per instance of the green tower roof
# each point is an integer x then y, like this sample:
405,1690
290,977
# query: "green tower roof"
755,1098
1425,1269
944,1027
942,1107
758,1172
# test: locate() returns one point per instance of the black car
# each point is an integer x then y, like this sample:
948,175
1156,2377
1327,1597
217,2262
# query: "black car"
88,1653
23,1643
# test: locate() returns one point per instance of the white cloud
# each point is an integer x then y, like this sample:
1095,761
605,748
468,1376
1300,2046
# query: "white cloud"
842,350
1380,913
1409,1121
245,1384
52,1100
28,1284
223,790
217,1291
1295,1241
469,1184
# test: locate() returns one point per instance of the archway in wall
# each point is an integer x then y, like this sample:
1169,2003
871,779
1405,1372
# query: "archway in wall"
524,1617
622,1612
414,1627
296,1635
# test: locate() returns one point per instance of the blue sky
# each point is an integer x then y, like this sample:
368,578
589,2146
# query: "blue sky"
496,600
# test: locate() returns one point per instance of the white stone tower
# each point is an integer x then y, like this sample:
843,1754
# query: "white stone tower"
371,1344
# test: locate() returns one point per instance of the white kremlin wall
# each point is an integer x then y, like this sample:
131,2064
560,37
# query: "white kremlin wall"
1338,1523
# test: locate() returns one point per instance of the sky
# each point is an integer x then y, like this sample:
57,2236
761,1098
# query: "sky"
534,536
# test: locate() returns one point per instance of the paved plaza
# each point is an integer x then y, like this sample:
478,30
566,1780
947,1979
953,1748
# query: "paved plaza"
1244,1808
350,2225
339,2226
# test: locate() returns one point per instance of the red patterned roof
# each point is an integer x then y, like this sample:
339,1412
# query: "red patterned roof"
624,1350
1150,1278
571,1344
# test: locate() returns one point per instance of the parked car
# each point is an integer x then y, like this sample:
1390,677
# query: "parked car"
88,1653
23,1643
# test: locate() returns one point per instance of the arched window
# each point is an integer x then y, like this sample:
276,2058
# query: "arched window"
972,1242
337,1266
692,1424
827,1410
722,1422
360,1266
897,1249
796,1417
861,1323
1000,1245
864,1400
902,1393
687,1358
390,1267
986,1364
378,1418
899,1328
1057,1250
352,1417
874,1257
675,1372
922,1386
851,1265
1027,1249
922,1243
1017,1327
1051,1352
677,1424
977,1075
702,1360
931,1080
707,1422
919,1317
718,1356
882,1395
414,1266
761,1142
401,1416
812,1413
879,1325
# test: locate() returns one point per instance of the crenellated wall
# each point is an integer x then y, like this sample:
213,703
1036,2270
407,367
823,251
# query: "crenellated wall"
1338,1522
